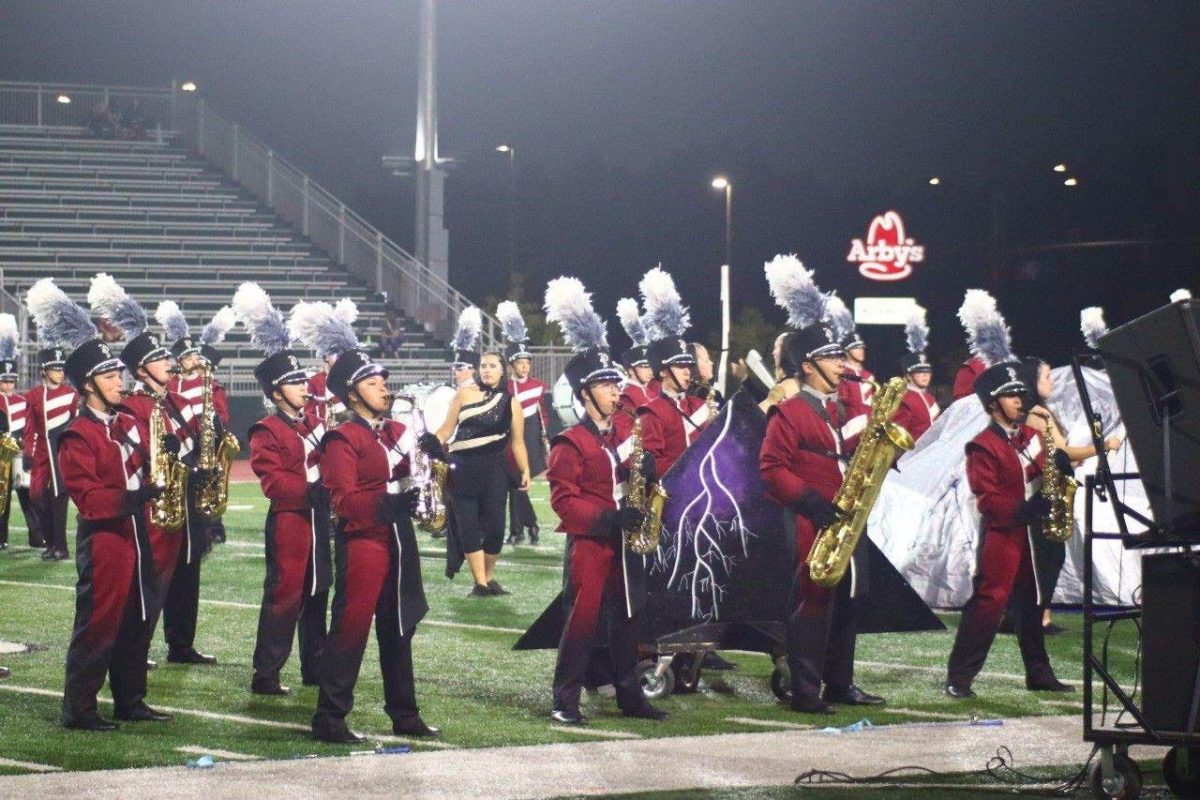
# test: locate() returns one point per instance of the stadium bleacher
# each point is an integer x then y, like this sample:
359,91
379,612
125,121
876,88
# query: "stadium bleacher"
166,224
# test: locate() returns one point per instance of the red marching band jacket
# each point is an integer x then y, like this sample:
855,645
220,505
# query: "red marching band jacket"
531,394
635,395
191,389
918,409
586,474
857,394
964,379
286,457
1003,473
322,402
359,465
801,451
47,413
672,423
101,462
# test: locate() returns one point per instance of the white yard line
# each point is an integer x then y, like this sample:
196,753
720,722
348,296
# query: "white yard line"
228,755
914,712
1072,704
32,766
238,718
583,730
470,626
888,665
770,723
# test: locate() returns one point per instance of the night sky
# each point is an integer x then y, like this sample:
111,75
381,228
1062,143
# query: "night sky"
822,115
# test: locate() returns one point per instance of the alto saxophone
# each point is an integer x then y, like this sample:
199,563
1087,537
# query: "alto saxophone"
1059,488
167,511
647,499
427,475
8,451
878,446
215,457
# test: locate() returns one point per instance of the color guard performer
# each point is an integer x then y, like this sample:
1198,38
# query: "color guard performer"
803,460
676,416
919,407
977,306
378,568
48,410
1004,469
857,391
640,384
103,458
12,421
285,454
531,394
588,500
176,554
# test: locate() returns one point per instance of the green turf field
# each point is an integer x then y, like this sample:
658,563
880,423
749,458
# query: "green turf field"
469,680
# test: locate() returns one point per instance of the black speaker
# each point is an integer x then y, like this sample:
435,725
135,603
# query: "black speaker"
1154,365
1170,639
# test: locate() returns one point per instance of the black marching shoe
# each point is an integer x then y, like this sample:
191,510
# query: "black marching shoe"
1050,629
48,555
534,530
151,664
479,590
3,545
142,713
851,696
270,688
336,733
61,555
646,712
959,692
416,728
90,722
1050,684
4,672
496,589
516,537
190,656
563,717
809,705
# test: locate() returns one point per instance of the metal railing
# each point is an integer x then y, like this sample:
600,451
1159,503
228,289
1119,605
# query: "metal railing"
54,105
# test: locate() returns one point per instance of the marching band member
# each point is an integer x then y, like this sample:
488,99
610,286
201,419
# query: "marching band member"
640,384
176,554
977,305
285,454
588,500
531,394
378,568
12,421
193,357
919,408
103,458
856,392
677,417
1004,469
485,423
48,410
803,459
321,401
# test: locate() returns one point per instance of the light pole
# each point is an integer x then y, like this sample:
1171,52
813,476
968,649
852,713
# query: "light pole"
511,152
721,182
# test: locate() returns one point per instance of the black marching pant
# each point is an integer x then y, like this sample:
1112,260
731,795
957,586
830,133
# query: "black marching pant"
31,522
820,642
520,512
478,494
182,606
51,513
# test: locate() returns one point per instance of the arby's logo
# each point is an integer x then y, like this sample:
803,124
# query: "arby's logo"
887,254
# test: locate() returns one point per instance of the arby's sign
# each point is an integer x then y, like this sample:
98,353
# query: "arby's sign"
887,253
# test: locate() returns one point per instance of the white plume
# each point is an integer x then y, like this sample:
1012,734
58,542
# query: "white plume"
346,310
794,291
1180,294
1092,324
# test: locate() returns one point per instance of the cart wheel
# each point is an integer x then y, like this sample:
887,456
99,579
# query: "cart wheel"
655,687
1126,783
686,667
781,680
1181,769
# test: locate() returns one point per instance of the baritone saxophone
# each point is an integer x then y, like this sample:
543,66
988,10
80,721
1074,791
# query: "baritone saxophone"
647,499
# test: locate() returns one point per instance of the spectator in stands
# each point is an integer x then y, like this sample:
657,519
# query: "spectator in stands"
102,124
132,119
390,340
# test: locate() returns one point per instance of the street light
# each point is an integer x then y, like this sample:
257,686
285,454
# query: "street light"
1070,182
1060,167
935,181
721,182
64,99
187,86
511,152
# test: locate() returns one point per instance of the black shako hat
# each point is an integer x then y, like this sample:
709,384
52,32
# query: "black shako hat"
185,346
998,380
278,369
670,352
593,365
635,357
515,350
90,358
142,349
350,368
915,362
8,370
815,341
52,357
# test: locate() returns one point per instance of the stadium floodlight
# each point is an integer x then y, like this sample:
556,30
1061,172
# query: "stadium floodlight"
187,86
720,182
1060,167
935,181
1070,182
504,148
64,99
